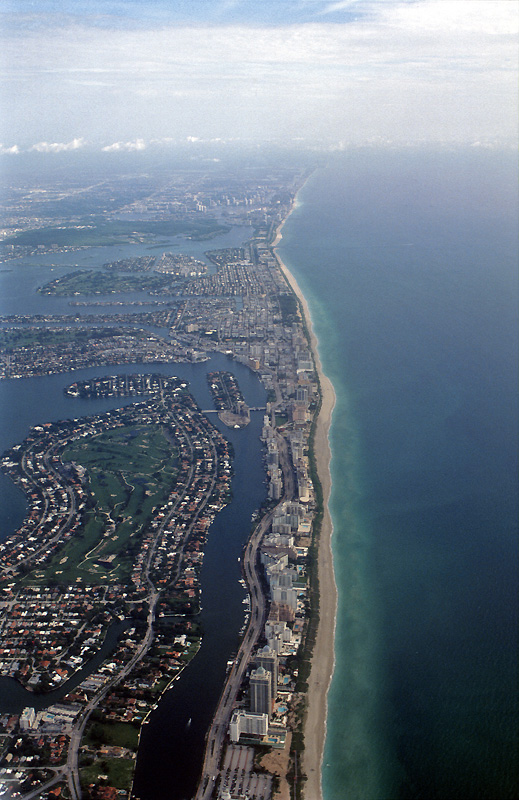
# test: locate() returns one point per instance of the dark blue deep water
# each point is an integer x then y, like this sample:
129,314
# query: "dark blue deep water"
409,263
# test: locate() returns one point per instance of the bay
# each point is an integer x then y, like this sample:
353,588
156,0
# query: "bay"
409,263
21,278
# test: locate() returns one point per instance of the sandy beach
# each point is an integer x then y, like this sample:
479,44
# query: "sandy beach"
323,655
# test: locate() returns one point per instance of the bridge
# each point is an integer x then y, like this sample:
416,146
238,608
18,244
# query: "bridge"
215,411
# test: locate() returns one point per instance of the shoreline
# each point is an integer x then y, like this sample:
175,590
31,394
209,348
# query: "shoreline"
323,656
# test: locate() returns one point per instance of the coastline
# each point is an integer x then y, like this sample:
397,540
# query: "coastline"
323,657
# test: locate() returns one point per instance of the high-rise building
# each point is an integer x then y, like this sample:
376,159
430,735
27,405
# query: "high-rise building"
268,659
285,596
260,691
247,723
272,455
302,394
27,719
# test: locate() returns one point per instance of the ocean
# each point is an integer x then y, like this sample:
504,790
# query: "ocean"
408,260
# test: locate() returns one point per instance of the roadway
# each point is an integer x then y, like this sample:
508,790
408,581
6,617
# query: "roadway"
70,771
218,730
216,736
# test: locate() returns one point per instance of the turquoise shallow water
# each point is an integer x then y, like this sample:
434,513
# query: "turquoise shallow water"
409,263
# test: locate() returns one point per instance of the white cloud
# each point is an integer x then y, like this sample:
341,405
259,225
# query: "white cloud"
164,140
138,144
493,18
427,69
58,147
11,151
421,16
341,5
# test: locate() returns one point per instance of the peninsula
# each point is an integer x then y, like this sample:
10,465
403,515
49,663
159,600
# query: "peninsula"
120,504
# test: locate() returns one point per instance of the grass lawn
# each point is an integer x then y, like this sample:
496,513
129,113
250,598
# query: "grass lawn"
115,734
118,772
131,471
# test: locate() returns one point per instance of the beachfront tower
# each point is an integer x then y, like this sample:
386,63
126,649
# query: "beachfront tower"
260,691
268,659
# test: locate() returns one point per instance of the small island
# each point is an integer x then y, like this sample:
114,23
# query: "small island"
228,399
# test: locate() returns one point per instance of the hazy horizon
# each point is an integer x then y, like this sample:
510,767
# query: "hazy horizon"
120,77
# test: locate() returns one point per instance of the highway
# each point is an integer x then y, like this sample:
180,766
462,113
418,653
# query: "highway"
216,736
220,723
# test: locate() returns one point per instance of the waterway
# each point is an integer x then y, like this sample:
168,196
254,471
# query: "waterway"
170,754
14,697
21,278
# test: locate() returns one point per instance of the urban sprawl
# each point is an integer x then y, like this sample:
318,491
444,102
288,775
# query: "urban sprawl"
120,504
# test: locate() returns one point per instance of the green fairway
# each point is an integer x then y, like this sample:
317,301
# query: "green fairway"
114,734
116,232
117,772
131,471
90,282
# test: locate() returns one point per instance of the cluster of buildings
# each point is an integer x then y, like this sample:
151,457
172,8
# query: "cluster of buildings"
57,498
236,310
58,493
226,392
48,633
36,740
101,348
239,199
233,278
261,720
178,264
246,310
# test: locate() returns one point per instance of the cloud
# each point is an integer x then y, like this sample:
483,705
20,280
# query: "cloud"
428,69
164,140
341,5
138,144
58,147
464,17
11,151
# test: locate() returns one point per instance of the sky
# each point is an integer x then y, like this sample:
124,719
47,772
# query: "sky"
131,75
